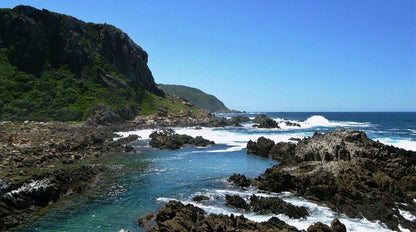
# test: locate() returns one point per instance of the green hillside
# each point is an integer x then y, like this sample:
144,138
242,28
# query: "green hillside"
198,97
56,67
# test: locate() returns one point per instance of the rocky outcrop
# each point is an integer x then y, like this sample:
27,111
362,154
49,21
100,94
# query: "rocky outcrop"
238,119
200,198
350,173
41,163
240,180
264,122
41,37
261,148
266,205
235,201
168,139
175,216
19,201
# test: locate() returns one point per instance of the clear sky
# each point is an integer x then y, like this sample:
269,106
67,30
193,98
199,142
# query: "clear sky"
271,55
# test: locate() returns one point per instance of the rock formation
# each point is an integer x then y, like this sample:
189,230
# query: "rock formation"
350,173
168,139
175,216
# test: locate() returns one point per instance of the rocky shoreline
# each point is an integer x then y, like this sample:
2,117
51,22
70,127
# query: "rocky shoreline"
345,171
41,162
175,216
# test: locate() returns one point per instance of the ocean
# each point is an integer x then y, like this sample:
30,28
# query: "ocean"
142,182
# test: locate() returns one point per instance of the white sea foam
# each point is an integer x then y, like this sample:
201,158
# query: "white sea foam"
236,140
321,121
401,143
407,215
317,212
403,229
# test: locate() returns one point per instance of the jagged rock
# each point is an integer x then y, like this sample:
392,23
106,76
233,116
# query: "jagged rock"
238,119
283,151
175,216
259,118
200,198
348,172
319,227
275,205
34,177
336,226
235,201
240,180
265,122
261,148
168,139
292,124
18,203
266,205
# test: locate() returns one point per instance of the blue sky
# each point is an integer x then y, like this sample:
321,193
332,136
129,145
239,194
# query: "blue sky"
272,55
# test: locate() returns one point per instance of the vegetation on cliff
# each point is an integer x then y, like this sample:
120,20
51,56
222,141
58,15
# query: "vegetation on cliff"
56,67
198,97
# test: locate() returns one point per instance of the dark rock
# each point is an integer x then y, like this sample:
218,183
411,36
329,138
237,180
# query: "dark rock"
175,216
266,205
260,118
337,226
275,205
240,180
261,148
292,124
236,120
235,201
349,173
199,198
265,122
283,152
319,227
168,139
18,203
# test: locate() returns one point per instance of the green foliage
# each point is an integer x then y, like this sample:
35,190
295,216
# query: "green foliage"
198,97
57,94
60,70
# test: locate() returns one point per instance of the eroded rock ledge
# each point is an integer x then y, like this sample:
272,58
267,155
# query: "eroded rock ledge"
41,162
175,216
349,173
168,139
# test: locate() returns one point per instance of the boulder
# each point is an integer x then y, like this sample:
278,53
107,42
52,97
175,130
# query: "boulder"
261,148
240,180
199,198
168,139
235,201
265,122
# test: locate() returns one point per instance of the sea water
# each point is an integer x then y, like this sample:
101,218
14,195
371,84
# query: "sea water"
142,182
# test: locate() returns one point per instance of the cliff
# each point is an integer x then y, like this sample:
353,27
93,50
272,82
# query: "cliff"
56,67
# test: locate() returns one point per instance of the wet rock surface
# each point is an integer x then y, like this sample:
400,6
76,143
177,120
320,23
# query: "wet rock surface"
41,162
175,216
168,139
266,205
260,148
240,180
348,172
262,121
